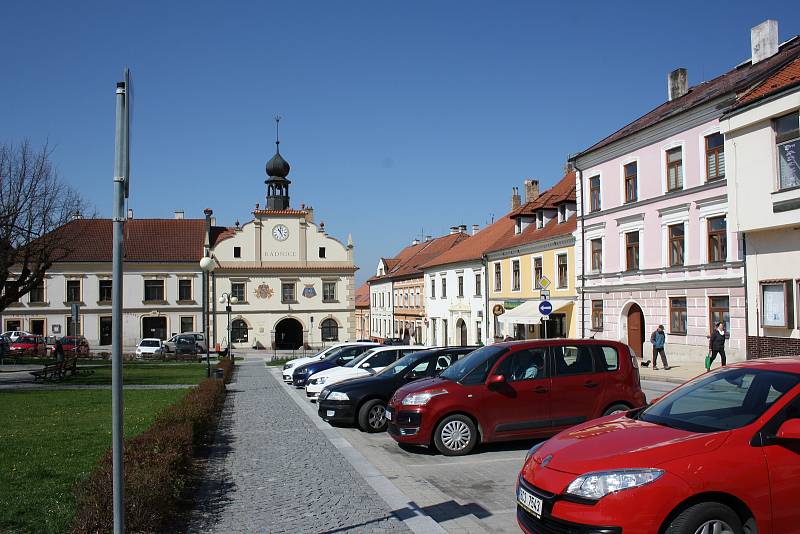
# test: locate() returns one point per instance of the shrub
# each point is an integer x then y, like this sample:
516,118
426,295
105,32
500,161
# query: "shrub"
156,466
226,364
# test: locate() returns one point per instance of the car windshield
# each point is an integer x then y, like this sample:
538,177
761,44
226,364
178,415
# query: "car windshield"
26,340
475,367
400,365
334,354
360,358
725,400
149,343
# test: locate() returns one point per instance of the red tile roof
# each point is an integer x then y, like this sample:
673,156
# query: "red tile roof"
563,191
473,248
735,80
786,77
362,296
279,212
532,234
407,263
145,240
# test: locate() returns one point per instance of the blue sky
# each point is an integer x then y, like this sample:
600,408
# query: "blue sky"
399,117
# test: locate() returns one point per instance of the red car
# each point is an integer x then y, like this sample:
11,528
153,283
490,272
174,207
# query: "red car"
28,346
518,390
720,454
75,345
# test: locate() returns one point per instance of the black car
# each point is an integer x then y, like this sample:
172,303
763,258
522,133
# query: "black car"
363,400
394,341
185,345
344,354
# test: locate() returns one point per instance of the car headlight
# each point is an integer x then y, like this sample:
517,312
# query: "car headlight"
338,396
302,371
321,380
285,367
595,486
422,398
533,450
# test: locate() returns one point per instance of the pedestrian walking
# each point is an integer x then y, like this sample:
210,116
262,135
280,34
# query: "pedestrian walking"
716,345
659,338
58,351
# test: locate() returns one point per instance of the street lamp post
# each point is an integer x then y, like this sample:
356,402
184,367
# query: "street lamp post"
207,266
229,299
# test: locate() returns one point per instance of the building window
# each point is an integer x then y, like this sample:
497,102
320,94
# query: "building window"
594,193
677,315
187,324
321,252
154,291
539,219
515,275
237,290
461,285
433,331
675,169
237,252
288,295
74,329
715,156
185,290
328,291
630,182
717,240
537,273
498,277
597,315
787,137
676,245
433,287
105,289
597,254
777,305
73,291
239,331
718,310
36,295
478,285
330,330
563,271
444,287
562,213
632,251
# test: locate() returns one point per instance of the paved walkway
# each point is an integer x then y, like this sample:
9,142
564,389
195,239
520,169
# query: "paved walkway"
271,470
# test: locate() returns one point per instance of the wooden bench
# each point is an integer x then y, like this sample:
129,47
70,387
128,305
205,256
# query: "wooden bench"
59,370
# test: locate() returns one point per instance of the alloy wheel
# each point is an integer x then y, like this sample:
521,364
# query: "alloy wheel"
377,415
715,526
456,435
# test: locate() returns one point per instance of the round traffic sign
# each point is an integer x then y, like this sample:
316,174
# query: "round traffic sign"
545,307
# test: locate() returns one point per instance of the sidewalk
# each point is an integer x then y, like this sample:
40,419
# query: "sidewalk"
678,373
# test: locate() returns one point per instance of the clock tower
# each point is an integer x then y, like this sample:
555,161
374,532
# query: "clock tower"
277,171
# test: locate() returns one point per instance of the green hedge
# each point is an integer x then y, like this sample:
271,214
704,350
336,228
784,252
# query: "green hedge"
156,466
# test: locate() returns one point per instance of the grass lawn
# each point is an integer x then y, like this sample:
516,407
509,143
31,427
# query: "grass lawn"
145,373
276,363
51,440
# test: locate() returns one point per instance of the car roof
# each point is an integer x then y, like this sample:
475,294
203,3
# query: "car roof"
382,348
150,339
560,341
787,364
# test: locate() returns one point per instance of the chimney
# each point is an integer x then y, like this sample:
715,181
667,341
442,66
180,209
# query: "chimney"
515,200
179,214
454,229
677,84
415,242
213,221
428,237
130,214
764,40
309,214
531,190
475,228
462,228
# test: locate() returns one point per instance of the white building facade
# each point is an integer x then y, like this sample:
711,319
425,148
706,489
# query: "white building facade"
455,316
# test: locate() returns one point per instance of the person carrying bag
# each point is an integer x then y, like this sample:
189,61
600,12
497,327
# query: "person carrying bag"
716,345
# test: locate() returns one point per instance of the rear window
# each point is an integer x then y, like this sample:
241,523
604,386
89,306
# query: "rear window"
608,358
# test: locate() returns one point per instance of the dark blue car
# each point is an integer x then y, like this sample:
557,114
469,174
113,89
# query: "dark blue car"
338,357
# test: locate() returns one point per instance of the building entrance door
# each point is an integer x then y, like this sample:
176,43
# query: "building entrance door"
462,332
288,334
105,330
636,329
154,327
37,327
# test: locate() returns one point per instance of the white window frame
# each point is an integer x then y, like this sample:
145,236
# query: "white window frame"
626,225
708,209
556,254
592,232
622,163
511,273
671,216
664,148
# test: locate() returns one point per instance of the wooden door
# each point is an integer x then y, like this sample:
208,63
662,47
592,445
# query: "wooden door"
636,329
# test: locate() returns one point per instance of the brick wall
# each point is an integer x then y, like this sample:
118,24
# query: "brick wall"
766,347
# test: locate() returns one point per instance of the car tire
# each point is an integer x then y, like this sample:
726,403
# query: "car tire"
455,435
717,516
616,408
371,416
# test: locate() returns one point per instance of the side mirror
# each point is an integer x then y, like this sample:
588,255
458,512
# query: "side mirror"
496,381
365,365
655,400
790,430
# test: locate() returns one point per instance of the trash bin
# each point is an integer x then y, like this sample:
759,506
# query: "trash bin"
219,373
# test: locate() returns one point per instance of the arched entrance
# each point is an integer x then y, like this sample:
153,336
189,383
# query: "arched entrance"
461,326
288,334
636,329
239,331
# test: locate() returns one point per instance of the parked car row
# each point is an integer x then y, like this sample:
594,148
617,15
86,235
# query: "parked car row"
24,344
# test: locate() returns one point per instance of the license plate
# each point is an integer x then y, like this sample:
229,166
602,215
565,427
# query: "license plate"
388,414
330,413
531,502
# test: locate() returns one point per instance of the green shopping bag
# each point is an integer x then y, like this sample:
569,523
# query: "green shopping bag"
708,361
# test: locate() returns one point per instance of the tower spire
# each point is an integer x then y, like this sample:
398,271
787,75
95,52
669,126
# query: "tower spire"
277,133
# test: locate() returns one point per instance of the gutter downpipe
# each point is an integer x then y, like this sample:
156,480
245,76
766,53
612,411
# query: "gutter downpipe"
579,179
746,315
487,311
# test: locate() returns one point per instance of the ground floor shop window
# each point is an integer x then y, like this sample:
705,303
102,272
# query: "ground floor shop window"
187,324
105,330
38,327
13,324
677,315
777,304
555,326
597,315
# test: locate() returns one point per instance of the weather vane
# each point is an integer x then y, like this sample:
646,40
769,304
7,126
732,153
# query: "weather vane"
277,131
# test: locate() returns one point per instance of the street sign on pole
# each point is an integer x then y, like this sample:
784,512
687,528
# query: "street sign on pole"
543,282
544,294
545,308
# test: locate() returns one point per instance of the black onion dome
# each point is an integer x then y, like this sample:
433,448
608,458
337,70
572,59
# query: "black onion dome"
277,167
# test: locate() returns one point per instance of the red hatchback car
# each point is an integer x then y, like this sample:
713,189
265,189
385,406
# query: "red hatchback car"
517,390
720,454
75,346
28,346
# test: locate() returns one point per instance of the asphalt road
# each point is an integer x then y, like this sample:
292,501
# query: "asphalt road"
473,493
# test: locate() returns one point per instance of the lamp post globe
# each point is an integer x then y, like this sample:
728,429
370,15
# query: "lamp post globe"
207,264
222,300
234,300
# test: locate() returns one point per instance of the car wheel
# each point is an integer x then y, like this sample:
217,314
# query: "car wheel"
372,416
706,518
455,435
616,408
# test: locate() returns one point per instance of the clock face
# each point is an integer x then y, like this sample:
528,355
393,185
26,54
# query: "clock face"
280,232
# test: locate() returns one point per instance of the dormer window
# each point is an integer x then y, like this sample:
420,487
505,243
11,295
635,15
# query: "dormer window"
539,219
562,213
518,226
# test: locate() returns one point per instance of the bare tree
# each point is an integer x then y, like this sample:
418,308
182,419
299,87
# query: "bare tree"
35,206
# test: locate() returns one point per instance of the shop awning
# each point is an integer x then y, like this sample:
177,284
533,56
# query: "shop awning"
528,311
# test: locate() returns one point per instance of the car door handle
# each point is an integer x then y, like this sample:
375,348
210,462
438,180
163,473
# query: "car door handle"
590,384
540,389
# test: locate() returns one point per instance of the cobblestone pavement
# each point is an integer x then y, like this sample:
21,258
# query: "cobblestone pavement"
271,470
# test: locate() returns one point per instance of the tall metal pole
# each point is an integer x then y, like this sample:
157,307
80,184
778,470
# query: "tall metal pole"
205,323
230,341
120,170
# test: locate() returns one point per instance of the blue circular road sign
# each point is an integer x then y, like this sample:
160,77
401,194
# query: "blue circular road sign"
545,307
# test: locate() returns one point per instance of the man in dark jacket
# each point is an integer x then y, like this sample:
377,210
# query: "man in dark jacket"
659,339
716,344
